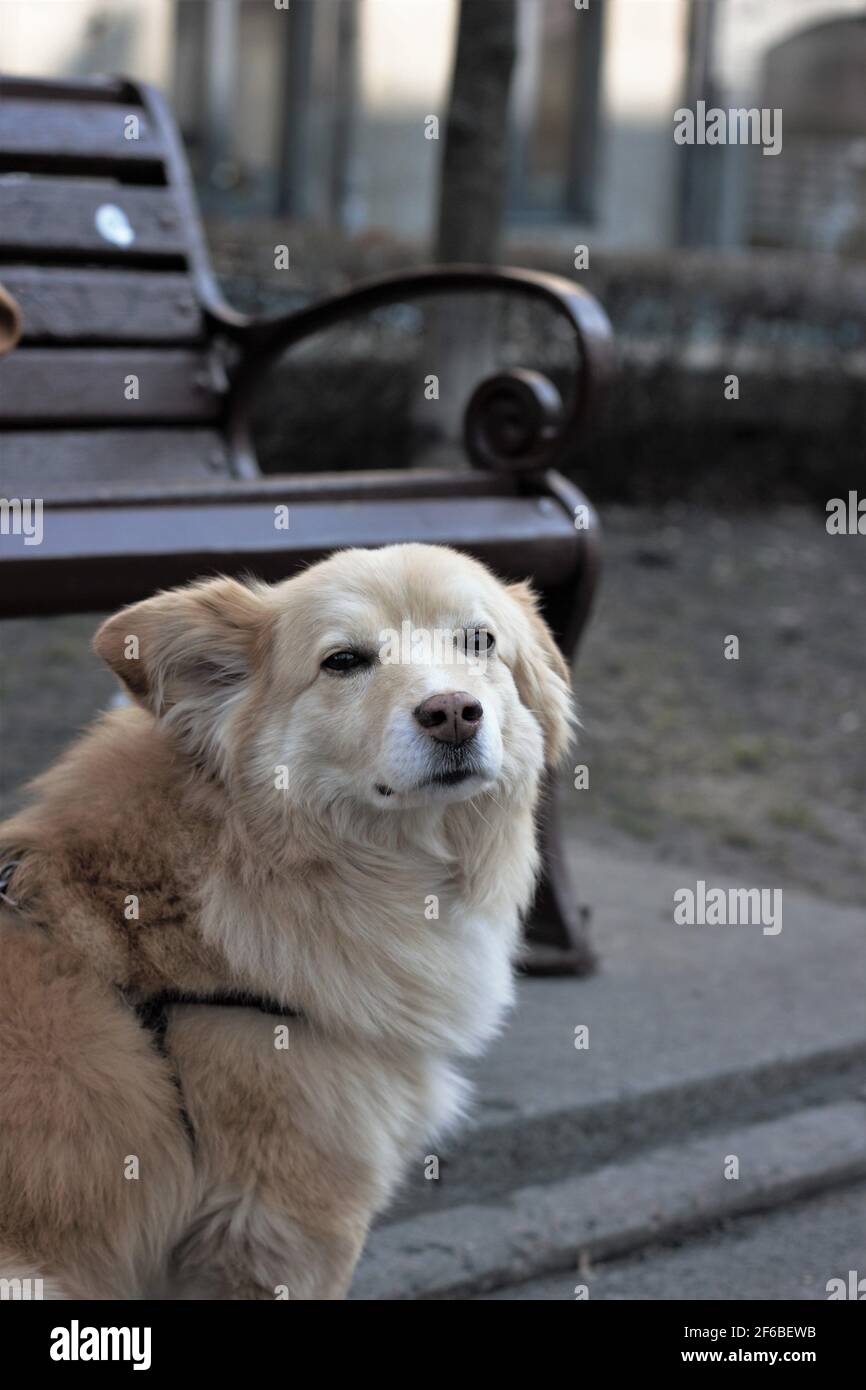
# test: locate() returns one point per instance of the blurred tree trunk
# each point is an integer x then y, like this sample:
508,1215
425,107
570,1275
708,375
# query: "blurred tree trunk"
461,346
699,188
474,160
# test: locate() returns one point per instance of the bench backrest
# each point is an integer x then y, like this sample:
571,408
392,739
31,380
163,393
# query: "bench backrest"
101,245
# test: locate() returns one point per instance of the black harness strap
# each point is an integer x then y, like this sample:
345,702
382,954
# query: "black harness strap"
152,1013
7,872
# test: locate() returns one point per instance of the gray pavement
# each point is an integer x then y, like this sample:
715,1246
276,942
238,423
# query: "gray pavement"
704,1042
663,1194
789,1254
688,1026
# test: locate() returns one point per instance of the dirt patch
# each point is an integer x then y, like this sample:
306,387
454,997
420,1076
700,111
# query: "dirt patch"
754,767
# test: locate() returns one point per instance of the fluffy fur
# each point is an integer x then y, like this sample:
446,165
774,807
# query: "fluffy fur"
257,823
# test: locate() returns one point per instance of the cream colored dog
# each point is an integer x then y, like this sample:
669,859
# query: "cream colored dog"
302,813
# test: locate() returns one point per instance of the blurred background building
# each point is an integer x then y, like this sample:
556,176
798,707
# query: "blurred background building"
309,123
317,109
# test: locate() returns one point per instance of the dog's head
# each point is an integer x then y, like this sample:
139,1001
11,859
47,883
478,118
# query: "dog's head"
387,678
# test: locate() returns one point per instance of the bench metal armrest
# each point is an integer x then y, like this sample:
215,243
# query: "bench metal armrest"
527,397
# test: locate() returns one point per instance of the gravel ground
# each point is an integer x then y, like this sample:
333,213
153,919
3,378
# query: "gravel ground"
754,767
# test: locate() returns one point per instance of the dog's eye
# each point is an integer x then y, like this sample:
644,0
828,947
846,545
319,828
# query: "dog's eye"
479,640
345,662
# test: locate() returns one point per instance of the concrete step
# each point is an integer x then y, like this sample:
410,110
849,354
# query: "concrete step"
789,1255
665,1193
690,1027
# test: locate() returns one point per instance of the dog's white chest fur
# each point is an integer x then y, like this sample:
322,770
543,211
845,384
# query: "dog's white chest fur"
398,965
368,1068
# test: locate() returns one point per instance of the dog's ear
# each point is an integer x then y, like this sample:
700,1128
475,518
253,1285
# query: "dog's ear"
542,676
185,652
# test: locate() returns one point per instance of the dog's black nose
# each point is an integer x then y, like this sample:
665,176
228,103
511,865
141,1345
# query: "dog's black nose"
453,717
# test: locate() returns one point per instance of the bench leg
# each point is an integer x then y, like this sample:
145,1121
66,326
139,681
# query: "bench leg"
557,930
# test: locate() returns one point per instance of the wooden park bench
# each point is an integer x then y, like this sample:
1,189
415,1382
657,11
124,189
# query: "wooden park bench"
102,249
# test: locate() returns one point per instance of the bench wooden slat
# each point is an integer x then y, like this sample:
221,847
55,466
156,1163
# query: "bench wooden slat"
64,130
99,88
72,463
38,384
130,488
79,306
89,560
65,215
